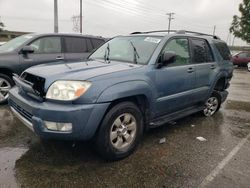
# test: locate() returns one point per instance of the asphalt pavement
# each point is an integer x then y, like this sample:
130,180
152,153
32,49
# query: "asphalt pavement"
221,160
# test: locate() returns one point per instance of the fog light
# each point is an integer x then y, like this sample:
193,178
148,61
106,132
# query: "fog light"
62,127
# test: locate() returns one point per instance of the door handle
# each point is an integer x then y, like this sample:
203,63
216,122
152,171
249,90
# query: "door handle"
190,70
212,67
59,58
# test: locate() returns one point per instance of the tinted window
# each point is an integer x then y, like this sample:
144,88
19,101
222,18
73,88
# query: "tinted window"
76,45
47,45
242,55
201,51
89,45
97,42
223,50
181,48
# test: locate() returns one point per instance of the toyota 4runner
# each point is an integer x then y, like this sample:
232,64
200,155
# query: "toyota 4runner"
128,85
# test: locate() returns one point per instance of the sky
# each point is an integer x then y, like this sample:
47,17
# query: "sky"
109,18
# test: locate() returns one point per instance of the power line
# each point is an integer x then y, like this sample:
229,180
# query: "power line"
170,18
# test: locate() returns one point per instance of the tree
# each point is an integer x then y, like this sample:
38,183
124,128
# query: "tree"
240,26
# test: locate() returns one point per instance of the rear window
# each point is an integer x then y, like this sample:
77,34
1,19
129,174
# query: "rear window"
223,50
76,45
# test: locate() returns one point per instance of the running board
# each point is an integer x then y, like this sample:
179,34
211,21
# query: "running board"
174,116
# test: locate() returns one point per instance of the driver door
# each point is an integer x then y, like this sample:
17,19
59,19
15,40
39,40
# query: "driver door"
46,50
175,81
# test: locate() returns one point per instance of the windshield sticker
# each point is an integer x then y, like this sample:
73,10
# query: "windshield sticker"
28,37
153,40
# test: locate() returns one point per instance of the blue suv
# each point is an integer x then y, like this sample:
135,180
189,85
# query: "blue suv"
128,85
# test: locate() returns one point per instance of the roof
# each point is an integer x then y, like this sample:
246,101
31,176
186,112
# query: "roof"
65,34
176,32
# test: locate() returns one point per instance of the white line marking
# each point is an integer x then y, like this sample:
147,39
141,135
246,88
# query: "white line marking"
223,163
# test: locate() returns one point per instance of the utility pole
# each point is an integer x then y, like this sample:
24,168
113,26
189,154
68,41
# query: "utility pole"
81,16
214,30
170,18
55,17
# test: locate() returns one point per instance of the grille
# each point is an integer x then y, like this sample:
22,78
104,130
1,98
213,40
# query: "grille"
21,111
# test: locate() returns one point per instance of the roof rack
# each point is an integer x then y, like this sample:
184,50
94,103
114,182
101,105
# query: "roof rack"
177,32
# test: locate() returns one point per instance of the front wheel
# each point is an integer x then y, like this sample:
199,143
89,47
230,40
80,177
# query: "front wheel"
120,131
212,104
6,83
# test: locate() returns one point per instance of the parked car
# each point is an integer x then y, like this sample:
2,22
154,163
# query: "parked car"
33,49
128,85
241,59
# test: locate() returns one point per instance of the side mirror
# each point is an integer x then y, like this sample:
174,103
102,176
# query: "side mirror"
167,58
27,49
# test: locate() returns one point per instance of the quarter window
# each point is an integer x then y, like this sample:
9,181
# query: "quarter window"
201,51
181,48
47,45
76,45
223,50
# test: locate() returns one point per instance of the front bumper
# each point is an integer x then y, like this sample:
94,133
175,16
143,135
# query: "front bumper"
85,118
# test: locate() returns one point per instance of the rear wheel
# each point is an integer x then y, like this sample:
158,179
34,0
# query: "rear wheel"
212,104
6,83
120,131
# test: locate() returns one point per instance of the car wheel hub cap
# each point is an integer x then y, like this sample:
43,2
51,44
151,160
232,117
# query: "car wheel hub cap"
211,106
4,89
123,131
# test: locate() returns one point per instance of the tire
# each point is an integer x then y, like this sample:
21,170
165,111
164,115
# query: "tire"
6,83
120,131
212,105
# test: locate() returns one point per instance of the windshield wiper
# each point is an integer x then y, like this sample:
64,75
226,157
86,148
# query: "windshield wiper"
136,55
106,55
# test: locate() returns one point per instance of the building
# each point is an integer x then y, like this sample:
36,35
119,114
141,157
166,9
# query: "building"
8,35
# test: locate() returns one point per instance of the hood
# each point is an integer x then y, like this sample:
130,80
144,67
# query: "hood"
78,70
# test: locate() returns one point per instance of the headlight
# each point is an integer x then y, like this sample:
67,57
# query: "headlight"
67,90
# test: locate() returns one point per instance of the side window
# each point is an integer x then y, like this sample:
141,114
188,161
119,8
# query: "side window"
248,54
76,45
201,51
181,48
97,42
47,45
243,55
89,45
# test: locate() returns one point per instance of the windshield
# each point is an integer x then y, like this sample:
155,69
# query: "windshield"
134,49
15,43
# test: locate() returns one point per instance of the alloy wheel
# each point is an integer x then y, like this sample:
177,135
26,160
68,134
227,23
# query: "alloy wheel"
211,106
5,86
123,131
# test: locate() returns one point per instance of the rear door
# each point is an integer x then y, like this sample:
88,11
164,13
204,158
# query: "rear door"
47,50
205,66
77,48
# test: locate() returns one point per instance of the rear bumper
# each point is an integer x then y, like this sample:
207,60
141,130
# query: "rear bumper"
84,118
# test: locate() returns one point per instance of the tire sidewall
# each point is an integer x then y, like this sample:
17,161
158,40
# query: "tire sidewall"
103,138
